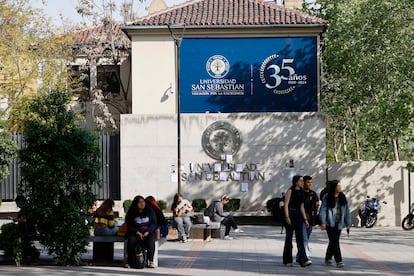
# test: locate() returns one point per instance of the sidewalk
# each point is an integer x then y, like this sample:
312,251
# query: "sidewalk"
258,251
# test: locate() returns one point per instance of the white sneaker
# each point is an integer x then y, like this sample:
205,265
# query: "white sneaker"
228,237
238,230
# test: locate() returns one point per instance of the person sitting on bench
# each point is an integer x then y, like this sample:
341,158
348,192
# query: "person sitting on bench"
142,225
227,220
104,222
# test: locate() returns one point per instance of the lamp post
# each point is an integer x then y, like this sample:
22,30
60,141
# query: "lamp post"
177,43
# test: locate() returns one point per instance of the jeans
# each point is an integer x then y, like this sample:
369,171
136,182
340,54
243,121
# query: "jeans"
106,231
297,227
306,235
333,247
134,241
183,226
229,222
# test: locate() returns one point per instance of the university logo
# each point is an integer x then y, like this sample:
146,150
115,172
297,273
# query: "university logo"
217,66
280,75
221,138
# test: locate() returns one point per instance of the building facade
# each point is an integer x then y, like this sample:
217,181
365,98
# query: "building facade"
243,77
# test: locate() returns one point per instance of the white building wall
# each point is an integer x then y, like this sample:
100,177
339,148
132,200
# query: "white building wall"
269,140
153,75
385,180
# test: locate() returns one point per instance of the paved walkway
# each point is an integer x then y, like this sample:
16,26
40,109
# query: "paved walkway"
258,251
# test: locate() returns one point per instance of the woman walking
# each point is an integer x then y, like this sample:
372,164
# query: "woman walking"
295,218
334,216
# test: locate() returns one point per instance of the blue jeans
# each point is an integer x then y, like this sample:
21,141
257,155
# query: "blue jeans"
106,231
183,226
306,235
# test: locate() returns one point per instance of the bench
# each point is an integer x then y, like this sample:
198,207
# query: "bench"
205,231
103,248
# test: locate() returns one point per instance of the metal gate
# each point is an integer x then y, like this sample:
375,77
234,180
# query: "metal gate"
109,173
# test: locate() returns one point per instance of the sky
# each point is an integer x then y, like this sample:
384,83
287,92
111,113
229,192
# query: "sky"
67,8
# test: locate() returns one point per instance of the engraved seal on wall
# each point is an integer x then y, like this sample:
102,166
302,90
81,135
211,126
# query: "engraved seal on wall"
221,138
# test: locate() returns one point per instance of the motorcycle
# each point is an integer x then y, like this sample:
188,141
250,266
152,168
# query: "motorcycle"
408,222
369,213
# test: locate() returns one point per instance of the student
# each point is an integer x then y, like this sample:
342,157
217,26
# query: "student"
141,229
334,216
295,218
104,222
311,205
227,220
162,222
181,209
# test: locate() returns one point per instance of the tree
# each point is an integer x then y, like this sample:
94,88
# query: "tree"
59,167
368,75
32,52
8,149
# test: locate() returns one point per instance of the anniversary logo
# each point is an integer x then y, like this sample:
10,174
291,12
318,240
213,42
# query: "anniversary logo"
280,75
217,66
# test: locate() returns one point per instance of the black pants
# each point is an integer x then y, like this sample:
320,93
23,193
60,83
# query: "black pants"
229,222
333,247
297,227
148,243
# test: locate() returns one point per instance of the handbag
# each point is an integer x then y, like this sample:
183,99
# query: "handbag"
122,230
198,219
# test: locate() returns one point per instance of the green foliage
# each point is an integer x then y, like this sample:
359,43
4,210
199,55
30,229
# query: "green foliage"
15,244
233,205
162,204
59,166
368,78
199,204
126,204
8,149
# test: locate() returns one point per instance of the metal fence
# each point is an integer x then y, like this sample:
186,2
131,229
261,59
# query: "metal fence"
109,172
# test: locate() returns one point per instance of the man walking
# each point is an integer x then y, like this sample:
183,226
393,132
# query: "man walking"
311,210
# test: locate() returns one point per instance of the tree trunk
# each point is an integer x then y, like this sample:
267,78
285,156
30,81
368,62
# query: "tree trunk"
395,148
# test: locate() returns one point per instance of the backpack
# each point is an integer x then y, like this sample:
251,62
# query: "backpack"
141,259
210,210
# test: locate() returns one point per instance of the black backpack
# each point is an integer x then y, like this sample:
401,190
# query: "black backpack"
141,258
210,210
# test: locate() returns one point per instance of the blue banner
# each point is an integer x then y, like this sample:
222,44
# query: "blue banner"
248,75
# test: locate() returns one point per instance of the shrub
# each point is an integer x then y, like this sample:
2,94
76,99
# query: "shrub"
199,204
60,165
233,205
126,204
162,204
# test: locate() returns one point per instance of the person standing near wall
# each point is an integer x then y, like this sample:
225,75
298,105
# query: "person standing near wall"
334,216
311,210
295,218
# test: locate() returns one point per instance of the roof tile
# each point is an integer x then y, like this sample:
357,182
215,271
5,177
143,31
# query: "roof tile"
227,12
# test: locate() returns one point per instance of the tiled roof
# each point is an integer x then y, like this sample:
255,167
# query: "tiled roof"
228,13
98,35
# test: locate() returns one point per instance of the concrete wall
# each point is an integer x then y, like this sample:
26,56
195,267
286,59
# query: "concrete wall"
153,71
269,141
385,180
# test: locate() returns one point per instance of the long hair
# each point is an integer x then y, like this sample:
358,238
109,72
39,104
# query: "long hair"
295,180
105,207
331,194
175,201
151,202
133,210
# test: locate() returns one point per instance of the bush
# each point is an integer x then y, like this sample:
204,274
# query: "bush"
126,204
162,204
60,165
233,205
199,204
15,245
